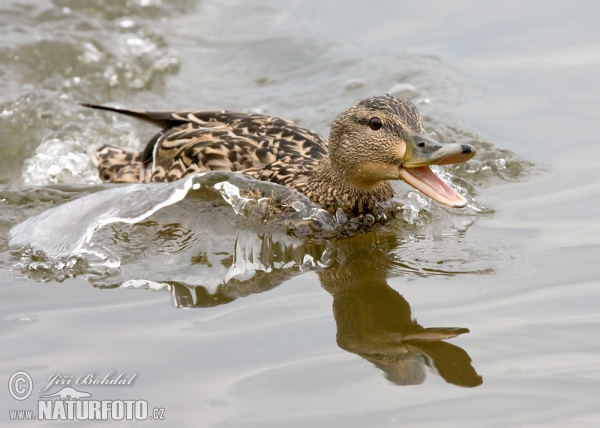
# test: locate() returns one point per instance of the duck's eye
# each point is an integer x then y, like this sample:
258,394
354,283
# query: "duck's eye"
375,123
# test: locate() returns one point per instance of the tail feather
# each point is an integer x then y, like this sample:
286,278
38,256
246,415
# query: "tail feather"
163,119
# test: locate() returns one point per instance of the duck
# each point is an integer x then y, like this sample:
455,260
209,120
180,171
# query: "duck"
381,138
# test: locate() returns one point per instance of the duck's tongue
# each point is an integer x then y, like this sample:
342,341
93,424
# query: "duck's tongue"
424,180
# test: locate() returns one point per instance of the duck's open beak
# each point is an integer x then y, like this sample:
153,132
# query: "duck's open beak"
423,151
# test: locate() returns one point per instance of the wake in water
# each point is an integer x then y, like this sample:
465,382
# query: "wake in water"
68,230
204,230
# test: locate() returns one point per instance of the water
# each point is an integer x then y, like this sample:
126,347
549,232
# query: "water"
471,317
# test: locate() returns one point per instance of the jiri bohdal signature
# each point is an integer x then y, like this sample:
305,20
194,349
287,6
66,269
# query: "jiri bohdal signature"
89,379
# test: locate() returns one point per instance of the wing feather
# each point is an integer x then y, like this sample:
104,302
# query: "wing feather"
268,148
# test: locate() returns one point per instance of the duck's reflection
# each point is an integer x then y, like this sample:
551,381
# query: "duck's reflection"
373,320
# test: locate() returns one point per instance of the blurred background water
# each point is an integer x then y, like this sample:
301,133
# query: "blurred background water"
441,317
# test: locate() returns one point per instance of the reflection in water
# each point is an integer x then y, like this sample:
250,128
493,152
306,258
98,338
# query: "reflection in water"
373,320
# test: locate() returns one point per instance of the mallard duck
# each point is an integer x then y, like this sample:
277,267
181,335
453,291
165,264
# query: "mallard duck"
380,139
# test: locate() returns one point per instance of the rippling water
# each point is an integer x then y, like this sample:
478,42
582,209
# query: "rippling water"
303,318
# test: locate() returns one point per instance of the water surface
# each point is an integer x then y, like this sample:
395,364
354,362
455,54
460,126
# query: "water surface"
479,316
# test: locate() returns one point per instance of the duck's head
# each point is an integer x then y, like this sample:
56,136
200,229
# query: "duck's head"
382,138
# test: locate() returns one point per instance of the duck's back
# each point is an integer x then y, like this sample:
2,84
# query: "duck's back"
265,147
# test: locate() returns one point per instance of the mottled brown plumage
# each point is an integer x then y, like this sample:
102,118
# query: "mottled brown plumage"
377,140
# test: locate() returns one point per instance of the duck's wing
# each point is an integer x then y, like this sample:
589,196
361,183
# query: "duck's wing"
199,141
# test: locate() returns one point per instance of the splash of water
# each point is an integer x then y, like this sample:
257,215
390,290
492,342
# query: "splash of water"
68,230
58,234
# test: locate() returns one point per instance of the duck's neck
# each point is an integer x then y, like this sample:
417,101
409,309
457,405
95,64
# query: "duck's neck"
331,189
